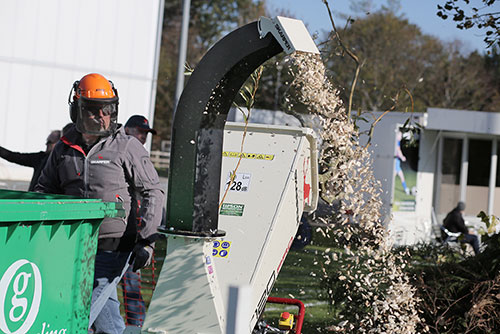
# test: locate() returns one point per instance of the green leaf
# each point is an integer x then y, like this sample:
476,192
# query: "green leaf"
406,123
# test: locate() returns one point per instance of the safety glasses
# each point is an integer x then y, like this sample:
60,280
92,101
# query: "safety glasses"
96,110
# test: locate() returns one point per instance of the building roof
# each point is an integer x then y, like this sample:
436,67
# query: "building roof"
463,121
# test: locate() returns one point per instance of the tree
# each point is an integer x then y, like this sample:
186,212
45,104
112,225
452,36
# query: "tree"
209,21
467,16
394,54
456,81
492,67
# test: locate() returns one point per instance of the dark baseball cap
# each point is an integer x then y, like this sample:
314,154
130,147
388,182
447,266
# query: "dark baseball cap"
141,122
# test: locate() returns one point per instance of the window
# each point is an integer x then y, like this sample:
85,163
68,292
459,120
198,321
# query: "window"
478,176
479,163
449,193
452,160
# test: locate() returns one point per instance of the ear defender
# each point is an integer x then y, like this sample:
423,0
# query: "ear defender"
72,104
113,88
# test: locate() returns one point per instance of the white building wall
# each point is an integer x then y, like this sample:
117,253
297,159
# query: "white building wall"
48,44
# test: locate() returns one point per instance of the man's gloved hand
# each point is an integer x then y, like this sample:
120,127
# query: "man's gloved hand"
141,256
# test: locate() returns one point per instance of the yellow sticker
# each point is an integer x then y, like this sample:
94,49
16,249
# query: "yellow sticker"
256,156
221,248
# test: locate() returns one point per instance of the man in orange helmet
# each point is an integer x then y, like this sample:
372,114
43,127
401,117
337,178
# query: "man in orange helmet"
97,159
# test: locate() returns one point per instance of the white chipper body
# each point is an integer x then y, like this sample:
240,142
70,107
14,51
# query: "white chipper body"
276,181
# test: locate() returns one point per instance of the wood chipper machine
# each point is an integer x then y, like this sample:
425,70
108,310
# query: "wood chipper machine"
231,227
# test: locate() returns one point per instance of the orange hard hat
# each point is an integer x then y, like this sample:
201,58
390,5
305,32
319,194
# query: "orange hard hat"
95,86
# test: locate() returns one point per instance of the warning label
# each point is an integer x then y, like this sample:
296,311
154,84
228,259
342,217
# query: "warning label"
256,156
221,248
230,209
241,182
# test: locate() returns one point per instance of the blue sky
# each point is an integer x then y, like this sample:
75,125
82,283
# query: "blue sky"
419,12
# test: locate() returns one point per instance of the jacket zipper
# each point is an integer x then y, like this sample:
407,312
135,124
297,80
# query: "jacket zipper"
86,177
86,168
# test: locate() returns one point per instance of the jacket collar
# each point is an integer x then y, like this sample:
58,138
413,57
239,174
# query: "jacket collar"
74,139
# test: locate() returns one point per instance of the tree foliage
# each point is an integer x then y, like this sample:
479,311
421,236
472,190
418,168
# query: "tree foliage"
395,54
458,82
468,15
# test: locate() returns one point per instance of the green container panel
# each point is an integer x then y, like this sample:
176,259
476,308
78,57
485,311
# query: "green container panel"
47,247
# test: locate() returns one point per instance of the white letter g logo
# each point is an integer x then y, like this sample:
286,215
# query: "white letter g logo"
19,304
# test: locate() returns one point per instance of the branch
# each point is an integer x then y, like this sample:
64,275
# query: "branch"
396,99
351,54
485,14
256,77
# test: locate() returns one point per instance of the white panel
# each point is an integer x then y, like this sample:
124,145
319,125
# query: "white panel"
88,22
125,42
8,26
17,107
5,71
47,32
8,16
25,34
68,19
46,98
37,85
135,37
103,52
144,40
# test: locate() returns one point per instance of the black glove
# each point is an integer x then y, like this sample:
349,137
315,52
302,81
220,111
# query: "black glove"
141,256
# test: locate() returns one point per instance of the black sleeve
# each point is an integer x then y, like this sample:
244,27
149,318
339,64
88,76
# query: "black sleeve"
24,159
49,181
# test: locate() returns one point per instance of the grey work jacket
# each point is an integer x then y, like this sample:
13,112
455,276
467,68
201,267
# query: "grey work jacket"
112,170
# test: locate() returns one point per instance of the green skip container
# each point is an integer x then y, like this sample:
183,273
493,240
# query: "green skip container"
47,246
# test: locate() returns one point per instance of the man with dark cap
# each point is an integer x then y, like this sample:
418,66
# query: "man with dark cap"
36,160
138,126
454,222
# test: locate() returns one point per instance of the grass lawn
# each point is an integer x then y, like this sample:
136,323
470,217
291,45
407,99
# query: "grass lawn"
300,279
